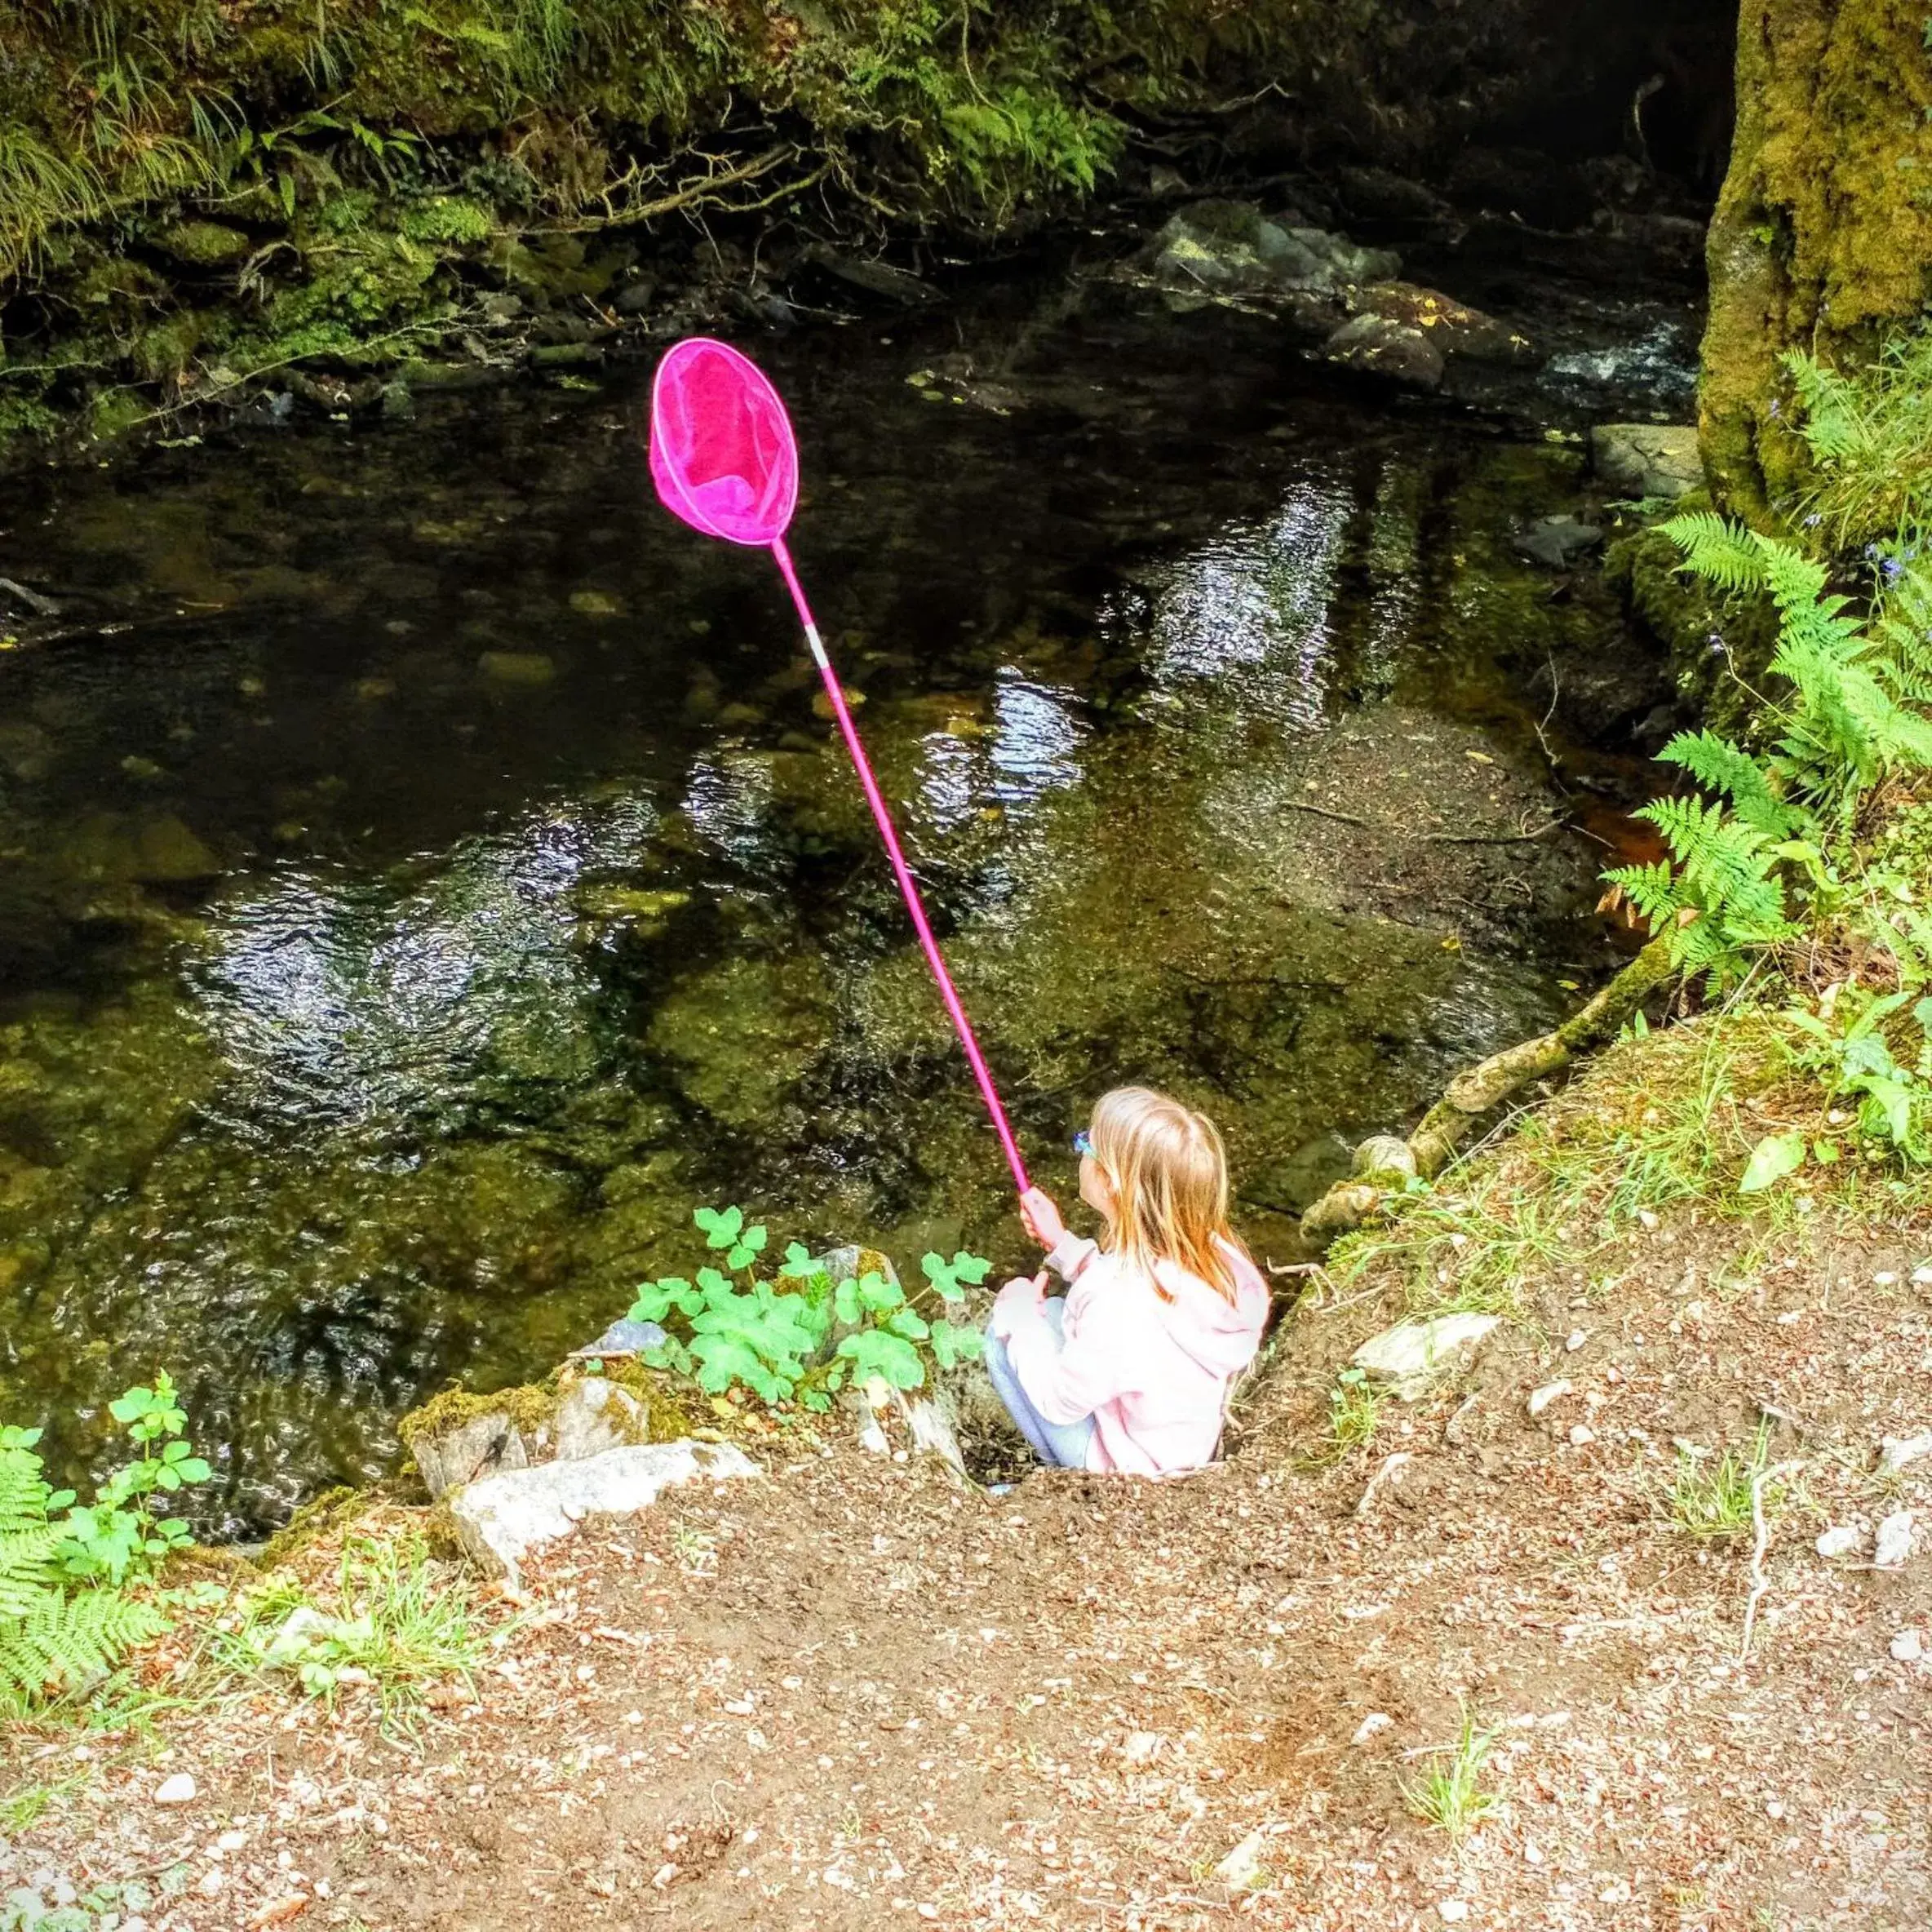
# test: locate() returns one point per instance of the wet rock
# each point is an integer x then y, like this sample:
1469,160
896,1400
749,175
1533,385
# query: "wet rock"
1412,1356
1647,459
204,244
567,355
1397,352
636,297
1290,1185
741,1035
472,1446
1376,194
1455,329
1232,247
523,670
874,277
398,404
1557,542
500,1519
614,905
113,846
627,1337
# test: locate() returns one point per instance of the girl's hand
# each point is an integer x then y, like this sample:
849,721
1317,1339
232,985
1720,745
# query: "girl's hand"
1041,1218
1018,1300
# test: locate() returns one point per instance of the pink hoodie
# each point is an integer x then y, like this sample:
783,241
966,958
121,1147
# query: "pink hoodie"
1153,1374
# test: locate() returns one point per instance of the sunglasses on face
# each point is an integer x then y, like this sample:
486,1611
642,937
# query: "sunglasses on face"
1083,1144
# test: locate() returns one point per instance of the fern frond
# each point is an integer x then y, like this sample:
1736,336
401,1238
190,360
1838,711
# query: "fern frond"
1728,770
1720,552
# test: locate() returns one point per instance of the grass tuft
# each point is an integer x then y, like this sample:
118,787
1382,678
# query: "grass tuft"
1711,1505
1449,1794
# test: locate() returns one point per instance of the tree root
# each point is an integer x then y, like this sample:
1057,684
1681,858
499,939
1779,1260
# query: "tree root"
1383,1163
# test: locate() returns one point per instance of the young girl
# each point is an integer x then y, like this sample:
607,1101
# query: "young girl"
1130,1371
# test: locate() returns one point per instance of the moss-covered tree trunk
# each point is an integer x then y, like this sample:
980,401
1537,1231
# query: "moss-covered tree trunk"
1823,234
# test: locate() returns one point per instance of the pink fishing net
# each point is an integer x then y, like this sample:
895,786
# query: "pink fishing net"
722,453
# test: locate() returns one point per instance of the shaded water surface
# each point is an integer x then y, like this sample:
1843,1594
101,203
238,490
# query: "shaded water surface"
446,881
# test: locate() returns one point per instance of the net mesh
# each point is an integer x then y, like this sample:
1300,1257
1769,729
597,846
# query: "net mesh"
722,452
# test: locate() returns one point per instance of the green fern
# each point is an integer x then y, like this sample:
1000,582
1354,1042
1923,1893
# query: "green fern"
52,1638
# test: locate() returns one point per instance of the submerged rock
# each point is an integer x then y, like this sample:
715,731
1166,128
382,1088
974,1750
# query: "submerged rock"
501,1518
1557,541
523,669
1648,459
1412,1356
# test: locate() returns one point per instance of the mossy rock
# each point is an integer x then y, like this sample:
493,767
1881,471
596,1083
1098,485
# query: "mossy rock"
317,1517
204,244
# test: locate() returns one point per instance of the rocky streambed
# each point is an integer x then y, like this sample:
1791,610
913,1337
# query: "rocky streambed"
428,877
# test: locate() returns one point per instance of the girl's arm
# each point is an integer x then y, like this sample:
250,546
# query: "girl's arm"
1064,1382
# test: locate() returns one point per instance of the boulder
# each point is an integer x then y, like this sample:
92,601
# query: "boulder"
1647,459
1231,247
1396,352
477,1444
594,1414
1455,329
500,1519
1411,1358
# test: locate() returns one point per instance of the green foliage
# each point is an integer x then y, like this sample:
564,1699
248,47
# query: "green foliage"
1869,434
1712,1503
119,1533
1846,723
801,1335
53,1636
1449,1794
1354,1405
396,1623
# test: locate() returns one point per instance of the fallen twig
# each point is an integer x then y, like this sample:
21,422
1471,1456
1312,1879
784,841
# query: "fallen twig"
1760,1583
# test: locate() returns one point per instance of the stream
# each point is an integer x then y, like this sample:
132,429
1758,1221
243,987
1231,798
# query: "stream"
445,880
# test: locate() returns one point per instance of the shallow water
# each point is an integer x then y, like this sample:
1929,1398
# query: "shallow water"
444,881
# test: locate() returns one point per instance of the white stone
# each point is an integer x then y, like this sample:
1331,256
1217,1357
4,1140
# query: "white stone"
596,1414
1582,1436
1894,1541
1908,1646
1840,1540
1541,1398
1412,1356
1372,1725
1240,1869
1897,1452
1452,1912
1576,1339
180,1789
1142,1746
500,1519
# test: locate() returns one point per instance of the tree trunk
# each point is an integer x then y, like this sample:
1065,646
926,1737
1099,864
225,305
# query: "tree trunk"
1823,236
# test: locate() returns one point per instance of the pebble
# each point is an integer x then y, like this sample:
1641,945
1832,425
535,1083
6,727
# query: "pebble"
1922,1276
230,1840
1582,1435
180,1789
1908,1646
1840,1540
1894,1541
1896,1452
1240,1868
1577,1339
1541,1398
1141,1745
1452,1911
1372,1725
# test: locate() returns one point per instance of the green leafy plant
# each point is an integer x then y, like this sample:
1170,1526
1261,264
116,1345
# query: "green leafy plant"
1354,1404
1449,1794
1869,433
53,1635
120,1533
801,1335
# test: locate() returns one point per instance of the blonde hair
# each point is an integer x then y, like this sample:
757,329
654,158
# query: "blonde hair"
1168,1173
